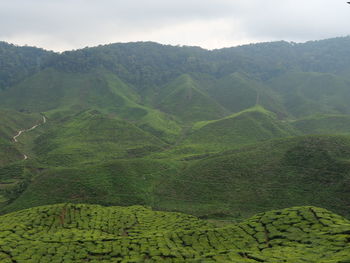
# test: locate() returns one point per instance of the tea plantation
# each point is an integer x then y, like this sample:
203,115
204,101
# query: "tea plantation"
92,233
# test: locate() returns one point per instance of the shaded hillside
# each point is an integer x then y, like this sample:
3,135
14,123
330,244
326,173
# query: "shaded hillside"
63,94
11,122
80,233
17,62
120,182
184,99
247,127
8,152
307,94
324,124
238,91
179,128
91,136
310,170
51,89
286,78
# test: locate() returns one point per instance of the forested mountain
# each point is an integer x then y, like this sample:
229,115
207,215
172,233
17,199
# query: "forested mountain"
16,62
221,133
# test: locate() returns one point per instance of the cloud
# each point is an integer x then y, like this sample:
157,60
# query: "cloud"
70,24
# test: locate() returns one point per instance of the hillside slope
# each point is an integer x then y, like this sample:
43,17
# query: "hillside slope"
309,93
80,233
312,170
184,99
246,127
213,133
91,136
11,122
323,124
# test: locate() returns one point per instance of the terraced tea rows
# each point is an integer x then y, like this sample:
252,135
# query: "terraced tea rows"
91,233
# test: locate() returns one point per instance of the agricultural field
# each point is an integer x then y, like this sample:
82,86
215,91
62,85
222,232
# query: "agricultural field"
142,152
91,233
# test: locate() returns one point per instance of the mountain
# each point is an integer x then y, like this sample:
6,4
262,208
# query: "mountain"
184,99
12,122
18,63
249,126
308,93
216,133
311,170
279,173
80,233
323,124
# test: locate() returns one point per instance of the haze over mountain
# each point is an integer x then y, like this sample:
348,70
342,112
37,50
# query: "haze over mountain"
220,134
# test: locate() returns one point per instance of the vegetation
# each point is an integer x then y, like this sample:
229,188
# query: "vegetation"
80,233
220,134
18,63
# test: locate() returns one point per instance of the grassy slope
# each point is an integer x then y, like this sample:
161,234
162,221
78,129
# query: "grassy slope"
247,127
60,94
8,152
237,92
310,170
10,123
307,94
92,137
121,182
324,124
78,147
80,233
183,99
51,89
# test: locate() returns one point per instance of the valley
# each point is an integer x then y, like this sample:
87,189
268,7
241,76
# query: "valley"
238,154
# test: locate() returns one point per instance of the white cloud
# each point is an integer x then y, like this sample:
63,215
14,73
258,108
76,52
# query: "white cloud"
68,24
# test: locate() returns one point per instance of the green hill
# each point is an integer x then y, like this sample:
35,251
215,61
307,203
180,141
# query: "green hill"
80,233
213,133
312,93
91,136
185,100
312,170
237,92
8,152
247,127
60,94
11,123
324,124
51,89
18,63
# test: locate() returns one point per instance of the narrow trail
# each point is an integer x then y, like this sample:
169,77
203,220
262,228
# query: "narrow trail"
25,157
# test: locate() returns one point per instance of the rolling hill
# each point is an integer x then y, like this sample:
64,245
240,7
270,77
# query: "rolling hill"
323,124
246,127
184,99
312,170
213,133
80,233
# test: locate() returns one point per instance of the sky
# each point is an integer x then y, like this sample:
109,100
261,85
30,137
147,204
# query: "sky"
61,25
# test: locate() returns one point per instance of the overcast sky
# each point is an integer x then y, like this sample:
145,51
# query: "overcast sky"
70,24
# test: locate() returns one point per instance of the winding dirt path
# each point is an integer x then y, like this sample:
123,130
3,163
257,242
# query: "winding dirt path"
25,157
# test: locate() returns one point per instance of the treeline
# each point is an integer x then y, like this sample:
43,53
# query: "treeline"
147,63
16,62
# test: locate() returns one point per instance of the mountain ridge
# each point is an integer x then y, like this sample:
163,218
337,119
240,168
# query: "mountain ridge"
172,111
